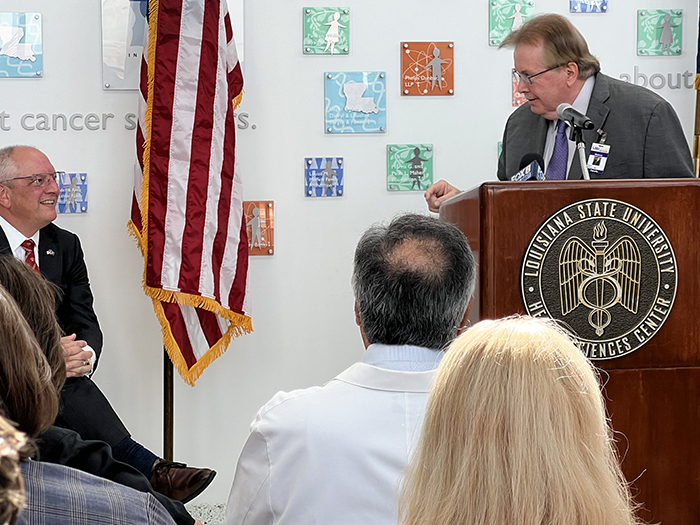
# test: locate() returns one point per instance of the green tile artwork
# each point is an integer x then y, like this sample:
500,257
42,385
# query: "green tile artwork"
326,31
506,16
409,167
659,32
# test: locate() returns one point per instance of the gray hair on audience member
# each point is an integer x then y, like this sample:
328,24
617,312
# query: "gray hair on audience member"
412,281
8,167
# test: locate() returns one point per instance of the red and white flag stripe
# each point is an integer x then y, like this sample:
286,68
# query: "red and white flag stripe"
187,209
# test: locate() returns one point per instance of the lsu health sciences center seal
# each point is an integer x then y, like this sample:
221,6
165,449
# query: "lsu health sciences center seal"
606,270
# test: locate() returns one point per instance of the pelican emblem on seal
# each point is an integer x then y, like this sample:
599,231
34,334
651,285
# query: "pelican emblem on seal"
599,277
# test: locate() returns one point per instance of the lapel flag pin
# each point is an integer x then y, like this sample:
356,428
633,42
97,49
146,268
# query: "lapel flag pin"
50,252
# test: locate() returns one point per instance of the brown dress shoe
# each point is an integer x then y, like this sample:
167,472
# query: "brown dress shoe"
178,481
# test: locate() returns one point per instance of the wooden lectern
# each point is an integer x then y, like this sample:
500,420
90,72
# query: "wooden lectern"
653,393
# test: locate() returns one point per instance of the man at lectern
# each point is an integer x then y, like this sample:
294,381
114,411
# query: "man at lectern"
633,133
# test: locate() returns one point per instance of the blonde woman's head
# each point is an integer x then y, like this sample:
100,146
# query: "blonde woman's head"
515,433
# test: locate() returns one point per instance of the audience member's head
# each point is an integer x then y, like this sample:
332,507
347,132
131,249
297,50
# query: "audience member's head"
28,391
515,433
413,281
12,446
36,298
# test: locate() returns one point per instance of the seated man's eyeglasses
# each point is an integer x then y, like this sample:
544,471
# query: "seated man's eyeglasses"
39,179
518,76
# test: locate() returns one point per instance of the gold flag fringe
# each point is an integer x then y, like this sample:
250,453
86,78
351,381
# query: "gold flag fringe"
696,84
243,325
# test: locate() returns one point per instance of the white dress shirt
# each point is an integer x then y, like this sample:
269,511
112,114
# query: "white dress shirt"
335,454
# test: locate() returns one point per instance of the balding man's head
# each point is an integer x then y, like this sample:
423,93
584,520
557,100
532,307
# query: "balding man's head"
413,280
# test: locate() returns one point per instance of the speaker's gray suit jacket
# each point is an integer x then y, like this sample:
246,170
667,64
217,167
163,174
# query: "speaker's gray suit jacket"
645,136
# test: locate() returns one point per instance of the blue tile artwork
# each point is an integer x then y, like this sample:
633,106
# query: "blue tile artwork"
355,102
588,6
21,48
324,177
73,193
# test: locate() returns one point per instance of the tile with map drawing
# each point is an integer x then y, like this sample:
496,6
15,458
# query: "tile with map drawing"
73,193
21,45
506,16
259,217
409,167
355,102
427,69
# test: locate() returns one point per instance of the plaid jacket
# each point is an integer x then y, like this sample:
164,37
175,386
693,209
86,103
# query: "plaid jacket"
59,495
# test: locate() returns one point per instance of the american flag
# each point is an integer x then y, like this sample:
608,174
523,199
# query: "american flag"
187,209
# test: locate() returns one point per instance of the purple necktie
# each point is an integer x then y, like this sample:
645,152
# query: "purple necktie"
560,156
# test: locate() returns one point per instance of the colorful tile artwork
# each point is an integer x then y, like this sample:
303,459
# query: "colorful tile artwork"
518,98
355,102
506,16
260,221
21,46
324,177
409,167
659,32
326,31
427,69
588,6
73,193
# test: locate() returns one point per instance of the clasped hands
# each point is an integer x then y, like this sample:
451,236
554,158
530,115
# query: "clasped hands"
77,359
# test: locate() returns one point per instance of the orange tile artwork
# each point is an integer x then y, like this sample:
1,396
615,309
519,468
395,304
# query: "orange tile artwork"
260,219
427,69
518,97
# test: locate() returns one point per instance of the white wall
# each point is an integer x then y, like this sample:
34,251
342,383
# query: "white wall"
304,326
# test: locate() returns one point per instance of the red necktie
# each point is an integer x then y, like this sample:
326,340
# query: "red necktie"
29,258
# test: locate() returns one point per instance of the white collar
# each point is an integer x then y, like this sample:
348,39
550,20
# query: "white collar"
15,237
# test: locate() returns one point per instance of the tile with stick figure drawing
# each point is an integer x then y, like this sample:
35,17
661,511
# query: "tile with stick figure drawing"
73,193
427,69
324,177
409,167
588,6
659,32
506,16
260,221
326,31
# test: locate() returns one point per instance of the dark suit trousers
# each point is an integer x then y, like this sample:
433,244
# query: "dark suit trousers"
85,409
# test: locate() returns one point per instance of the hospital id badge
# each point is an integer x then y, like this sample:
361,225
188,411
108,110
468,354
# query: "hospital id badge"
598,157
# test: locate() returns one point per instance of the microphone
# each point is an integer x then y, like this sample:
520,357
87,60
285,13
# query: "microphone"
568,113
530,168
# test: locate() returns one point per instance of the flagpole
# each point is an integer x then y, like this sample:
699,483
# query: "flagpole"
696,137
167,407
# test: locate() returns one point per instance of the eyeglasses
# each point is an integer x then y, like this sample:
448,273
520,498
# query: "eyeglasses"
39,180
518,76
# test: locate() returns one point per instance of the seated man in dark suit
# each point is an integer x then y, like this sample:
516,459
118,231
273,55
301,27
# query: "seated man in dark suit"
28,196
553,66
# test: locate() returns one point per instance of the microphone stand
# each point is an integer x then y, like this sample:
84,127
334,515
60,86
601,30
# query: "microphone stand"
581,148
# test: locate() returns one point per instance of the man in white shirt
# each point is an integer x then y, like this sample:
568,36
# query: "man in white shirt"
334,454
